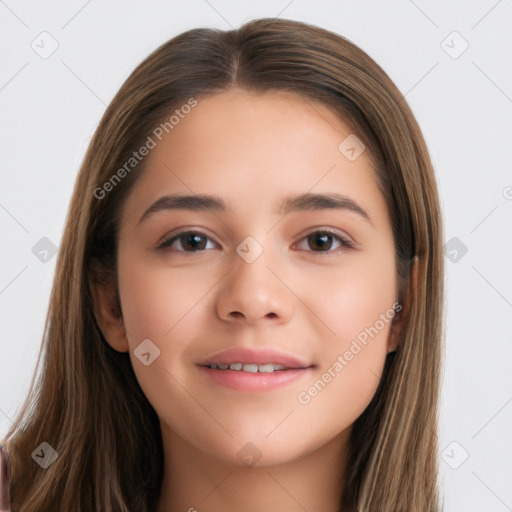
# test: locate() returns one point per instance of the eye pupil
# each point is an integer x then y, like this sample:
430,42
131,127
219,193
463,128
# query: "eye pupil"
192,239
322,237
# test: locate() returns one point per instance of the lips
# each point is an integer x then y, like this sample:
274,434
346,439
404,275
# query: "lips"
254,371
252,360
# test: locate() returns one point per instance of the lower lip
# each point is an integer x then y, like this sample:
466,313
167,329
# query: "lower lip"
254,382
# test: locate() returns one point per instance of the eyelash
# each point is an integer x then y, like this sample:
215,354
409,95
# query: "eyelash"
345,243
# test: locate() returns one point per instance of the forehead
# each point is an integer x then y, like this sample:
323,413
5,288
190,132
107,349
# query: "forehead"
252,148
242,115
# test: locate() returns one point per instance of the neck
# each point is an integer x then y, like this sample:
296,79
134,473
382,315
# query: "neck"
196,481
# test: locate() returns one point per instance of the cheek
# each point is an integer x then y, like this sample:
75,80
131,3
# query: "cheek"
356,303
355,295
165,307
158,304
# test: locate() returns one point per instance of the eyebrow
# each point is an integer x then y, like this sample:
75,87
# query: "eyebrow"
293,203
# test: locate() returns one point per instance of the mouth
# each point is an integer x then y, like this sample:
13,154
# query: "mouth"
253,367
250,370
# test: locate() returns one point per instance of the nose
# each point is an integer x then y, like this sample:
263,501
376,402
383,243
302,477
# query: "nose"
255,292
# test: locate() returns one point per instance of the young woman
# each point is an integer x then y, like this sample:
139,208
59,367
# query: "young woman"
248,302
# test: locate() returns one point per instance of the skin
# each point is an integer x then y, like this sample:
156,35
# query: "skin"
252,149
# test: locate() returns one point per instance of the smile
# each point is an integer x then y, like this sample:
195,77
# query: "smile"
250,367
254,370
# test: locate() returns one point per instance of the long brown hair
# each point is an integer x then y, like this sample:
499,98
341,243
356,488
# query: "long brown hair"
86,403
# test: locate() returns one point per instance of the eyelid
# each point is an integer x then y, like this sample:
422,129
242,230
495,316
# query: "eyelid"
337,232
180,231
347,242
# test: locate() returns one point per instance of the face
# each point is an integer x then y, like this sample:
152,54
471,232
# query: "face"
311,288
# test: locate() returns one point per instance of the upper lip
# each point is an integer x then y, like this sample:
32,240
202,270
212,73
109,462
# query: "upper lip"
255,356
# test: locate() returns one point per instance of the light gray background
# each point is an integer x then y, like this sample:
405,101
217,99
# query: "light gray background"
463,103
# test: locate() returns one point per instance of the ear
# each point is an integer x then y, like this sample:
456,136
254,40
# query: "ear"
398,321
107,312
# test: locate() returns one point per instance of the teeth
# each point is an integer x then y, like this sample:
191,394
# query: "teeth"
250,367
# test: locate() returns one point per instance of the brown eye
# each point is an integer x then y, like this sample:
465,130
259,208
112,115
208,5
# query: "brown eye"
190,241
322,241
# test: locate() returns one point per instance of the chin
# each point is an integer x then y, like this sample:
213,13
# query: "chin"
255,451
